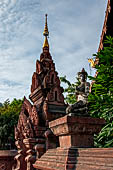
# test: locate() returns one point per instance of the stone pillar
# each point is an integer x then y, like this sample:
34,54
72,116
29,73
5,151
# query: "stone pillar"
20,157
52,141
39,147
35,149
76,131
31,155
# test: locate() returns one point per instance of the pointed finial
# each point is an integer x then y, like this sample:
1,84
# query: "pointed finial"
83,70
46,33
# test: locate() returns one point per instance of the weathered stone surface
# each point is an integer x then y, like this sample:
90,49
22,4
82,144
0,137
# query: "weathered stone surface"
76,159
76,131
20,157
7,159
30,158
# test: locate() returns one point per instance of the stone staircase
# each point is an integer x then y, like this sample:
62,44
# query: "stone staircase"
76,159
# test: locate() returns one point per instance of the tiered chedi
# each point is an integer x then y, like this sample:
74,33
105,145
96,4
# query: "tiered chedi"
48,104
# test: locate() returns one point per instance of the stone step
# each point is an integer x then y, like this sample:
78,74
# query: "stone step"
59,166
53,157
79,159
50,165
105,152
92,161
87,167
82,153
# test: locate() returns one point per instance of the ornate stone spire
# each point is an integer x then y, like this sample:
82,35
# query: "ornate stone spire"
46,33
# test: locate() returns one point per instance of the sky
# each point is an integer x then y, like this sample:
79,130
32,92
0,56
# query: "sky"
75,28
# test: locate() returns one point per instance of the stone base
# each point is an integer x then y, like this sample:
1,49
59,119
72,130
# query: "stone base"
76,131
78,140
76,159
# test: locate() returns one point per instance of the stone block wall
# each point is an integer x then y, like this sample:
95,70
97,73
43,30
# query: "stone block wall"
7,159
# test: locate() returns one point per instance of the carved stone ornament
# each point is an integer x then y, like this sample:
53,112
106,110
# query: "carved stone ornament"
3,166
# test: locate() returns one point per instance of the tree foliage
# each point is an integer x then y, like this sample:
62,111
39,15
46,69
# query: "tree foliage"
69,91
9,113
101,97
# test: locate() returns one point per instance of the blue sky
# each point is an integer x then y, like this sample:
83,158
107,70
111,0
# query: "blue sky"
75,28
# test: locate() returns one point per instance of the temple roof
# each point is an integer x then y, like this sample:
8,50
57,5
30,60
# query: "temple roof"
106,31
108,24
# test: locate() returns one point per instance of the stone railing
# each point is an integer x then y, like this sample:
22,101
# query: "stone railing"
7,159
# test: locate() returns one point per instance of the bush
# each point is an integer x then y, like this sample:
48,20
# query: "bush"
101,97
9,113
69,91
